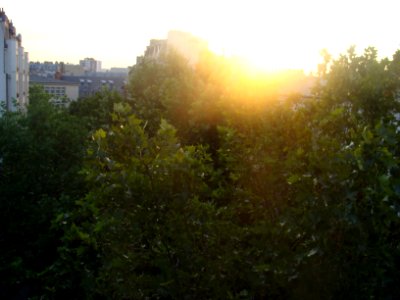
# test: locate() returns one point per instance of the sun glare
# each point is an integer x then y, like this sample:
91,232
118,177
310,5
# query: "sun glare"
268,58
267,42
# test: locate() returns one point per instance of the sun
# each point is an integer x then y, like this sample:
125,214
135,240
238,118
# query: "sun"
270,35
273,53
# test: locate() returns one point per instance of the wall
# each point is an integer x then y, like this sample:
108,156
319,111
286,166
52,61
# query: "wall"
11,55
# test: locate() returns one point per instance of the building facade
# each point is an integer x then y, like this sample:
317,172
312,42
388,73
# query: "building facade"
90,85
70,81
44,69
14,67
72,70
61,91
185,44
90,65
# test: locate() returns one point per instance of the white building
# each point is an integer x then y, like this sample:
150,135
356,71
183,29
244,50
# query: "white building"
186,44
59,90
14,67
90,65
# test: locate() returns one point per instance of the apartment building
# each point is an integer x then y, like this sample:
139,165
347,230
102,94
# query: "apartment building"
92,84
14,67
90,65
184,43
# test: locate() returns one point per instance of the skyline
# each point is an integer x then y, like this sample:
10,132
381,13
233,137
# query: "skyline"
288,34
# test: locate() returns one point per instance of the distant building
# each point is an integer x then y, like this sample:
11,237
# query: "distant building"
74,81
45,69
155,49
92,84
14,67
59,90
90,65
186,44
52,70
119,71
72,70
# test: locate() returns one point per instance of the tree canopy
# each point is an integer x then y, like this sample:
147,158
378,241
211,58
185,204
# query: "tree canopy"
207,182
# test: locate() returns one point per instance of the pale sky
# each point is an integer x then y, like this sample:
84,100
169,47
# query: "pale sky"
274,34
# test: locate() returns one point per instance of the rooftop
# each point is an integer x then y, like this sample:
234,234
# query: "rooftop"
44,80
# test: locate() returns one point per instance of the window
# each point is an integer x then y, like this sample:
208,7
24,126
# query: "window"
56,90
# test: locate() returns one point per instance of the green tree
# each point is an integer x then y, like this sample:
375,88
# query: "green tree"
205,184
149,202
41,154
95,111
341,194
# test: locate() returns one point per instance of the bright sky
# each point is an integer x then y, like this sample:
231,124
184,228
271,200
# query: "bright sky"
273,34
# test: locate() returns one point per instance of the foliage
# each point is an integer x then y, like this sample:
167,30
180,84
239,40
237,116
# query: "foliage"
206,183
41,153
94,111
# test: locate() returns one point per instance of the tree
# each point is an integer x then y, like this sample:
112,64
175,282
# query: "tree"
41,154
148,200
95,111
342,192
204,184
